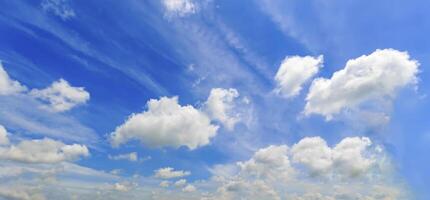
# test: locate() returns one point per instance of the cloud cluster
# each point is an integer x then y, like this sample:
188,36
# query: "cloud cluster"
352,169
60,8
132,156
294,72
7,85
4,139
179,7
376,76
220,106
61,96
169,173
42,151
166,123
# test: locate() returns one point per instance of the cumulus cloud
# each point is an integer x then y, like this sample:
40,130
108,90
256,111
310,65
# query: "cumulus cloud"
313,153
21,193
7,85
220,106
166,124
179,7
61,96
3,136
164,184
42,151
169,173
180,183
352,169
132,156
268,163
294,72
189,188
350,157
369,77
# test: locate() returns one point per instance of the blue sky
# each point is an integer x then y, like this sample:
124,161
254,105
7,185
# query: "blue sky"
254,99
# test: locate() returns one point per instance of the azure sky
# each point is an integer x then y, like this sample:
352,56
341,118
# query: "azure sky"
214,99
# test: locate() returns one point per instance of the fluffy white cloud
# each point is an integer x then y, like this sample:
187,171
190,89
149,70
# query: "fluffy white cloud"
294,72
350,157
180,7
61,96
164,184
168,173
269,163
7,85
189,188
128,156
352,169
3,136
220,104
166,123
180,183
369,77
43,151
313,153
120,187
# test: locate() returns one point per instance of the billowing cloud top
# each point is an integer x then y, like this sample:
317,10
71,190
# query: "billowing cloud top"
61,96
294,72
43,151
7,85
166,123
220,106
369,77
168,173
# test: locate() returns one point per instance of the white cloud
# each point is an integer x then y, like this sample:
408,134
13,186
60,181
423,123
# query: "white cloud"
61,96
166,123
21,193
7,85
352,169
313,153
350,157
169,173
369,77
132,156
269,163
189,188
43,151
120,187
3,136
164,184
61,8
180,7
220,106
294,72
180,183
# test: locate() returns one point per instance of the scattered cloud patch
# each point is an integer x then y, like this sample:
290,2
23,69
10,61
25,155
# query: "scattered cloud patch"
128,156
189,188
61,96
166,124
7,85
4,140
220,106
60,8
43,151
179,7
352,169
377,76
294,72
169,173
